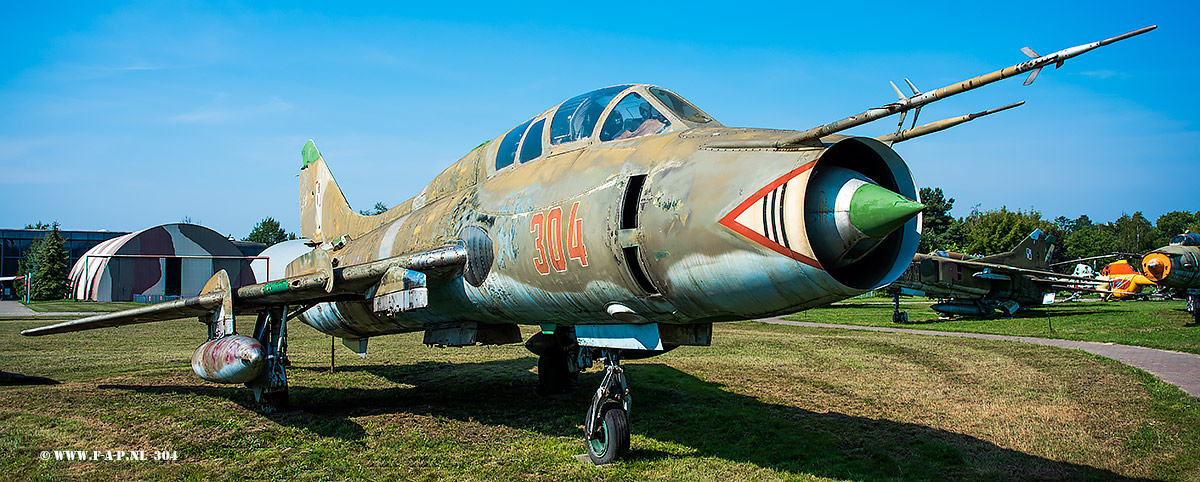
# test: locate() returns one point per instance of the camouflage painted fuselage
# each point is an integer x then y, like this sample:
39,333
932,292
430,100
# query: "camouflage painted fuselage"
976,286
941,277
1175,266
671,229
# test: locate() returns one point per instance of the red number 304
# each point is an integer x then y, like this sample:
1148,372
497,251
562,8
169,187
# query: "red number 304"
547,230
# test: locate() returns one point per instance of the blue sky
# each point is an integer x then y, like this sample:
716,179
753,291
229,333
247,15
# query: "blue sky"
125,116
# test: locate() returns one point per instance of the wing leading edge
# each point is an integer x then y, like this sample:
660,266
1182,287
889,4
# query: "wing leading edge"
323,283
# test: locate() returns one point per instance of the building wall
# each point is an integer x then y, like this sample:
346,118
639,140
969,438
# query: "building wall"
15,242
167,260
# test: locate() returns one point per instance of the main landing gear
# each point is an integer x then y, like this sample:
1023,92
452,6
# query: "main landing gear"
897,315
271,388
558,367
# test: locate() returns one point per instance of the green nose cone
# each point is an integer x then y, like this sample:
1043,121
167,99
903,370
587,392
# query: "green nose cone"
877,211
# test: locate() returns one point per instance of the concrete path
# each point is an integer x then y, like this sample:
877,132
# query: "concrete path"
1177,368
15,308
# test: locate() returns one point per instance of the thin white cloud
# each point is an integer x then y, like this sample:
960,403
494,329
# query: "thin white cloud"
1103,74
220,111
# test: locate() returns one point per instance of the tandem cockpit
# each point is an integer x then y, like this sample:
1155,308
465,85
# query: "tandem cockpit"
1186,239
611,114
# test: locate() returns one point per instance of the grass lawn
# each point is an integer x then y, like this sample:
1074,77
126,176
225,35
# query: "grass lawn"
72,306
764,402
1154,324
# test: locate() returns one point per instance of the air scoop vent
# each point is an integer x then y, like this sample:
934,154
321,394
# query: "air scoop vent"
629,220
861,213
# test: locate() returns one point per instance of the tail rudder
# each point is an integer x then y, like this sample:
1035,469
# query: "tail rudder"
324,212
1032,252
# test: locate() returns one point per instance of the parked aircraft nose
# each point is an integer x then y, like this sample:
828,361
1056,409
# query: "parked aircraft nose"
1156,266
252,358
847,215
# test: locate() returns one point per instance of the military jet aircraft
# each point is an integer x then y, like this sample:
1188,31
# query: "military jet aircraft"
1177,266
623,221
988,285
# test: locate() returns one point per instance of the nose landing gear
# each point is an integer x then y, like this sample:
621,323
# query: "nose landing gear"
606,428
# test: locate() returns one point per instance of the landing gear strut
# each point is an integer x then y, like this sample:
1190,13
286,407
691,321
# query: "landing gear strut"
606,428
1193,307
897,315
271,388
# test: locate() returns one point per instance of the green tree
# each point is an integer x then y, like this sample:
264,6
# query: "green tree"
269,232
1064,225
997,231
939,230
27,265
1173,224
45,263
39,226
1135,234
50,278
379,208
1090,240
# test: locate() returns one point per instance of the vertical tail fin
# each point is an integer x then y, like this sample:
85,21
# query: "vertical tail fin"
324,212
1033,252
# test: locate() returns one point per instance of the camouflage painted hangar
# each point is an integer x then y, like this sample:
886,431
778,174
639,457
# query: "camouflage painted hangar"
159,263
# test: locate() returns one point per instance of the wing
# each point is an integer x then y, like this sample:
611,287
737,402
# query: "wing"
1036,273
319,281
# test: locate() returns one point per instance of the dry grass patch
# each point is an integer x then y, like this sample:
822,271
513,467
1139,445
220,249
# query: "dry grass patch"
763,403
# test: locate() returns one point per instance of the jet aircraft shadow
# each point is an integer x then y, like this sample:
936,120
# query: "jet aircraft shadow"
669,406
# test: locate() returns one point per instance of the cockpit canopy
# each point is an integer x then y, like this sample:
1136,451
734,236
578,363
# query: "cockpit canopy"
1187,239
628,111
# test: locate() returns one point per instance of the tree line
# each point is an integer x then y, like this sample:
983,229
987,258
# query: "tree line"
45,263
270,232
999,230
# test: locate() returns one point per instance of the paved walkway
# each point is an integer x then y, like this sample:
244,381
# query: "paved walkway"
1177,368
15,308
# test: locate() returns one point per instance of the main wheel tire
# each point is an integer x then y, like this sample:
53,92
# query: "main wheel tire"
276,402
554,377
612,441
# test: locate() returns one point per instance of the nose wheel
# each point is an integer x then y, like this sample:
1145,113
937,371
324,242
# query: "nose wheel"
606,428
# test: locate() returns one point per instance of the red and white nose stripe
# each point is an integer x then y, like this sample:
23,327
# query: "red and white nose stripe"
825,217
774,216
